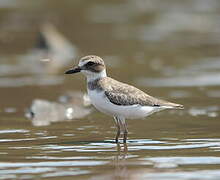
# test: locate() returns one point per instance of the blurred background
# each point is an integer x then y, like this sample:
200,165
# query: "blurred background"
169,49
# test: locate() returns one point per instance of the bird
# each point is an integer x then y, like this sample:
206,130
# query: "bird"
117,99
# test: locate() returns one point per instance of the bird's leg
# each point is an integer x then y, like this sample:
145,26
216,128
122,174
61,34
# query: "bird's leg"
124,128
118,129
118,134
125,133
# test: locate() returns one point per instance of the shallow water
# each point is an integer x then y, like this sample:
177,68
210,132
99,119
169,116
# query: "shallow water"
170,50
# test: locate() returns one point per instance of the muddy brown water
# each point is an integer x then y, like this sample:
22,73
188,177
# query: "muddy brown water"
168,49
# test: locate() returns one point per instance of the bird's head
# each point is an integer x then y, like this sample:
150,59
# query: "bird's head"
93,67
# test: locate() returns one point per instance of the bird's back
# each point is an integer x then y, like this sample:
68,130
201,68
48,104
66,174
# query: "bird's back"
123,94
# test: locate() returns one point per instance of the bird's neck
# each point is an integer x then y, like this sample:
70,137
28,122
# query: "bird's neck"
94,76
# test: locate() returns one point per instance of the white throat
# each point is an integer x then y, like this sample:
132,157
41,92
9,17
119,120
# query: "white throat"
91,76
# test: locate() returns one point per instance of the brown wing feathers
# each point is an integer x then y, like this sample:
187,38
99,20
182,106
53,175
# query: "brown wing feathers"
124,94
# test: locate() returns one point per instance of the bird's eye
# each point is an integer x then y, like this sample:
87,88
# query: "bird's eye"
90,63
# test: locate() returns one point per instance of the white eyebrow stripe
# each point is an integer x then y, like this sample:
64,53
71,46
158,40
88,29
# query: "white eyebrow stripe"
82,63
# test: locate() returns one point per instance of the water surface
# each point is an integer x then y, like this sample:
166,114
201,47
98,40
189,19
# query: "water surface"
168,49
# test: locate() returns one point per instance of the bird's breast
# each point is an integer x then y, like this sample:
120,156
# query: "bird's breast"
100,101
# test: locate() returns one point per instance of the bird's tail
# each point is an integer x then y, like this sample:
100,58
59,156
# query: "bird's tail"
174,106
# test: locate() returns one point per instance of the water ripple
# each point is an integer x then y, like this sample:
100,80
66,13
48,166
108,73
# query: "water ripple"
207,79
185,160
182,175
30,81
52,164
7,131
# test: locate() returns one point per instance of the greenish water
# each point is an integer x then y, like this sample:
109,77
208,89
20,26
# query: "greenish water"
168,49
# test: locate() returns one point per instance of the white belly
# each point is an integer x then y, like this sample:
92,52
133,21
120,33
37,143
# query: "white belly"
101,102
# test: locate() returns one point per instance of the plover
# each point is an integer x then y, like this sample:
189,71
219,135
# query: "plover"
117,99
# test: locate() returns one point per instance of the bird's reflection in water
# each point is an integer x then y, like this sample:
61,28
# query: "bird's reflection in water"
120,161
122,150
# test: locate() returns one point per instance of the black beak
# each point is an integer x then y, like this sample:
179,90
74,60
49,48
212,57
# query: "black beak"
74,70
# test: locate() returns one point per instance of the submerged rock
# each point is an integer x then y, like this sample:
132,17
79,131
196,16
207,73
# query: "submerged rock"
42,64
75,98
43,112
52,52
59,51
